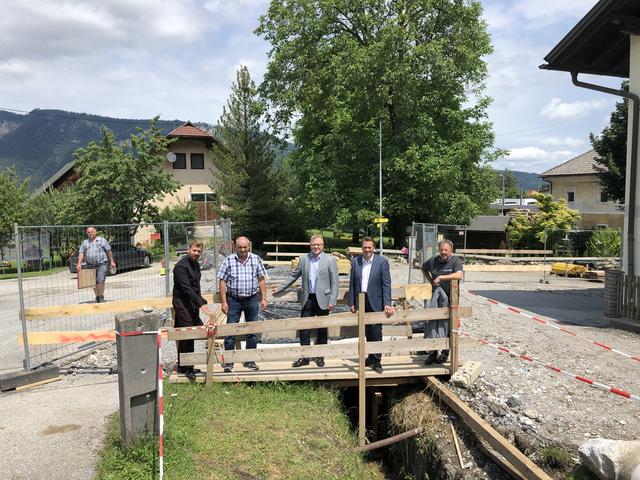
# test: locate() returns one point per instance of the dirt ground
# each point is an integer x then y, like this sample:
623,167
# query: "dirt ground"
56,431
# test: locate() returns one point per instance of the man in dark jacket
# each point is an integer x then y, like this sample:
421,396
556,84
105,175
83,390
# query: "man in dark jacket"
187,299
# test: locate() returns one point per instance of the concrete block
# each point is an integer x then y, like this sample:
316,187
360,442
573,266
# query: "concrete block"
138,373
467,374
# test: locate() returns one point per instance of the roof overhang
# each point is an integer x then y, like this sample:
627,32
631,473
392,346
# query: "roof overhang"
599,43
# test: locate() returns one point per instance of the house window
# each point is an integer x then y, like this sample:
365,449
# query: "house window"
603,196
203,197
197,161
181,161
571,196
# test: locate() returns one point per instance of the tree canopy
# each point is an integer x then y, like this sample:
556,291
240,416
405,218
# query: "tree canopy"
611,149
14,207
249,188
120,183
527,230
339,67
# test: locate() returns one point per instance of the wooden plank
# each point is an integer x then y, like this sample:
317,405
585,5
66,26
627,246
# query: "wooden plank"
342,372
500,251
453,324
334,350
507,268
14,380
523,464
211,360
81,336
71,310
29,386
500,461
362,379
286,243
285,254
333,320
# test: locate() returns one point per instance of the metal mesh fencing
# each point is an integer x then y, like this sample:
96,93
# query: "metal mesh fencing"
46,260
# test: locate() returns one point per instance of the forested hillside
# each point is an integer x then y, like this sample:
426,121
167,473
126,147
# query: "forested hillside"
41,142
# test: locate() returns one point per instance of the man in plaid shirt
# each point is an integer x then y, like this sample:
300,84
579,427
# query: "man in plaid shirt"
242,289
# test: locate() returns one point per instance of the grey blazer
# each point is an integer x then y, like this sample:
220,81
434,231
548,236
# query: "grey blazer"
326,283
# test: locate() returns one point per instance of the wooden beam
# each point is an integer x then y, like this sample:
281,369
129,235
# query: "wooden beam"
507,268
46,338
517,459
334,350
499,251
29,386
285,243
362,379
453,324
107,307
334,320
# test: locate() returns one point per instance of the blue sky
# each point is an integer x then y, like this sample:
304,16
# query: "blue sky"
139,58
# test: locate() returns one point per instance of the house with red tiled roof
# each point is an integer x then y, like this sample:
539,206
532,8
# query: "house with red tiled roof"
576,182
190,162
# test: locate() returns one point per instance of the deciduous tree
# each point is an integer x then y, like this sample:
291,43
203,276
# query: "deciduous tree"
120,183
14,205
611,149
338,67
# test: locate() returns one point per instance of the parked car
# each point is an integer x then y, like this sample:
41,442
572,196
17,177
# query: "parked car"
125,255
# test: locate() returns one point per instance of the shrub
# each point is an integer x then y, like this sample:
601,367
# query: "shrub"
604,243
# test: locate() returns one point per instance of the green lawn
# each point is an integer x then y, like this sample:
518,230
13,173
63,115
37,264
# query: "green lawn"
13,274
228,431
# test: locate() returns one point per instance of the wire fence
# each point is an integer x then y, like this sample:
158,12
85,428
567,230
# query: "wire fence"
562,252
45,258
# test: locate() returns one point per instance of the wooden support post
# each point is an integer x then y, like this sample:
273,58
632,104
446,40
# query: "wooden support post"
454,320
362,383
376,400
211,357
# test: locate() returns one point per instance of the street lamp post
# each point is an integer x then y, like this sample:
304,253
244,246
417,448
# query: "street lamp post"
502,210
380,174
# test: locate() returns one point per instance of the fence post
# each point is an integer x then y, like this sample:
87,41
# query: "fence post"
412,243
25,339
362,382
165,237
454,325
544,261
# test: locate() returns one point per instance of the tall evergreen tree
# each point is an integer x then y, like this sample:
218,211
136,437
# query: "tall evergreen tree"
248,186
14,205
611,149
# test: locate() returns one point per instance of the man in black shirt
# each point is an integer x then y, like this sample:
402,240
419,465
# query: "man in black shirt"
187,299
440,270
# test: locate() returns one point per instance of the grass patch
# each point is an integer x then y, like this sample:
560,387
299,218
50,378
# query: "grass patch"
555,457
14,274
264,431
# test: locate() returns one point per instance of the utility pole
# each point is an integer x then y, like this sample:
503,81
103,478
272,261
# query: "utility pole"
380,175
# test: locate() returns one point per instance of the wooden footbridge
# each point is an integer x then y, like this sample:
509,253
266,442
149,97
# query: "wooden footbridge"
345,357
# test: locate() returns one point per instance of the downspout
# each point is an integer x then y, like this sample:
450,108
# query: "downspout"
631,201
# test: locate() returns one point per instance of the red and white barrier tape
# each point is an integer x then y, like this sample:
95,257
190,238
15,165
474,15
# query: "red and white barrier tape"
550,324
530,359
160,410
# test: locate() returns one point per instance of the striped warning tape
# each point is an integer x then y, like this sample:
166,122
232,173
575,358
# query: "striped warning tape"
160,411
552,325
530,359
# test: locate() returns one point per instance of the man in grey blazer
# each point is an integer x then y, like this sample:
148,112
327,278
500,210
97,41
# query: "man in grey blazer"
370,274
319,273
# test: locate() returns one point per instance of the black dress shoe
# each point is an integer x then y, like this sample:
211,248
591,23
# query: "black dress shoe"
301,362
184,370
227,367
444,355
368,362
251,365
319,361
191,375
431,358
377,368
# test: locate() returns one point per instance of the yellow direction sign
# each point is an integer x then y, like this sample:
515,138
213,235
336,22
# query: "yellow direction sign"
380,220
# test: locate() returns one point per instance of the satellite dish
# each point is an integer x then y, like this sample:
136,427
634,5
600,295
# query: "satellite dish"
171,157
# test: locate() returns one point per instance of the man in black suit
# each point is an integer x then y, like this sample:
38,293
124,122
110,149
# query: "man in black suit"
187,299
370,274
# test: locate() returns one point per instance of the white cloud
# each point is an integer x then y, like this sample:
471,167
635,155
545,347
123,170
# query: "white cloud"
552,11
557,109
534,159
568,141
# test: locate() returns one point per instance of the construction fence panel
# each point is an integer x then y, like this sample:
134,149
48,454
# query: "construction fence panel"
46,257
582,253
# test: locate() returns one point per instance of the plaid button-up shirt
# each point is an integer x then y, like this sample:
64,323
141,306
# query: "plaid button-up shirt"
241,278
